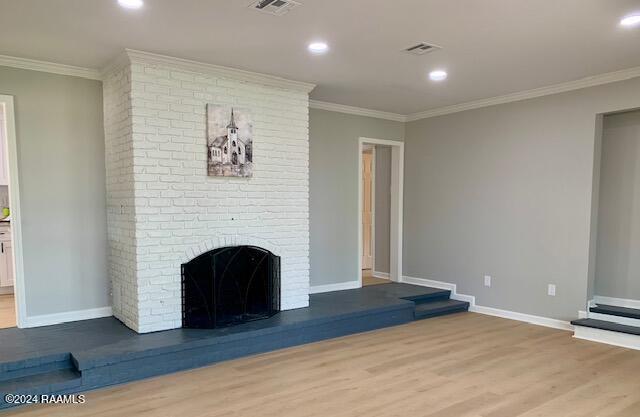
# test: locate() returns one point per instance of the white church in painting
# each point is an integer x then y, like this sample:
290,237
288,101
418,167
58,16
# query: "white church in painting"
229,149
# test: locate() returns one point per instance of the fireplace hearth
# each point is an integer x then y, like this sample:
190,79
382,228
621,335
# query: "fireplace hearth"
229,286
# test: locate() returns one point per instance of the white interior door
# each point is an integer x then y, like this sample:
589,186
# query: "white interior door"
367,209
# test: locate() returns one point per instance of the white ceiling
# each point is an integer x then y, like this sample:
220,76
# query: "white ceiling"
490,47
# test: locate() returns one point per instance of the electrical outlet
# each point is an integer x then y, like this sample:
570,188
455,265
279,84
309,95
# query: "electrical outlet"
487,280
551,290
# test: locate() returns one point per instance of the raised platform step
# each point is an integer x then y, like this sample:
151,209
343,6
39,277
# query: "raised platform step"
80,356
632,313
435,295
54,382
608,332
439,308
607,325
35,365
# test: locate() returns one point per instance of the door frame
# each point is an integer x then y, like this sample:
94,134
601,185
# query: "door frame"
14,204
373,201
397,189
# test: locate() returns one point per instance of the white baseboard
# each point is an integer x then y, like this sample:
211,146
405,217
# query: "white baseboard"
441,285
429,283
473,307
381,275
340,286
57,318
527,318
620,302
625,340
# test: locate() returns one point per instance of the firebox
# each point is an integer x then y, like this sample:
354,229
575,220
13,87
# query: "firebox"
229,286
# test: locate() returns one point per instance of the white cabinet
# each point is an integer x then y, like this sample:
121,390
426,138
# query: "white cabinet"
6,258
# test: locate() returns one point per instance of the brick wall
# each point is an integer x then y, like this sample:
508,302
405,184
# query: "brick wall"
169,205
120,186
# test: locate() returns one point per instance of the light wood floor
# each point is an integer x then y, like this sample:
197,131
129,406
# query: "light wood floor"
369,279
464,365
7,311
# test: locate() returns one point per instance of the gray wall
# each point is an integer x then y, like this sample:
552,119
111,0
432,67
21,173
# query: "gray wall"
333,188
62,188
382,208
618,247
506,191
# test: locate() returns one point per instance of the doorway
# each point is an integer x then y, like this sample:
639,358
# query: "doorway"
380,186
616,266
12,307
368,206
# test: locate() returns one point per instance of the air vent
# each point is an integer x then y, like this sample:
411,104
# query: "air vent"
421,48
274,7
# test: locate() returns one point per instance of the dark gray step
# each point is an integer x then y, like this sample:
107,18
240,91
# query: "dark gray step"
437,295
46,383
607,325
23,368
632,313
439,308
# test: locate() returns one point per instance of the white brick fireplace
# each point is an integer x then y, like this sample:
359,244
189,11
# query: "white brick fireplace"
163,210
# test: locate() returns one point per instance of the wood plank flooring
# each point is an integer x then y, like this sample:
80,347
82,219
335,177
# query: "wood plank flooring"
463,365
369,279
7,311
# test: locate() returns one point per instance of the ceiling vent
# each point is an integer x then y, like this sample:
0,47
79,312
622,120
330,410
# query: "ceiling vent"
274,7
421,48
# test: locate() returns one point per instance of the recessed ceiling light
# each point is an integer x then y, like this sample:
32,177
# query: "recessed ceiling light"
131,4
318,47
438,75
630,20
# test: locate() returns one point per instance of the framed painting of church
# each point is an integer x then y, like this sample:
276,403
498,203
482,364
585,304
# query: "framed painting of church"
229,142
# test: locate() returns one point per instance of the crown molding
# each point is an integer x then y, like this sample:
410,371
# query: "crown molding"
51,67
200,67
593,81
185,64
358,111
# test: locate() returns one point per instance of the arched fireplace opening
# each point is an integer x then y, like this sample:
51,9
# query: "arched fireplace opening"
229,286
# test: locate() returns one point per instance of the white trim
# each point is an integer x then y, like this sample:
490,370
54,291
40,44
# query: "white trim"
51,67
625,340
586,82
201,67
15,204
358,270
57,318
357,111
613,301
424,282
527,318
600,79
340,286
94,74
441,285
397,187
490,311
372,148
373,208
380,275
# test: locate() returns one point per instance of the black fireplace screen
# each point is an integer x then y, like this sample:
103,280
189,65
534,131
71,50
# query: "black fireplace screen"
230,285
